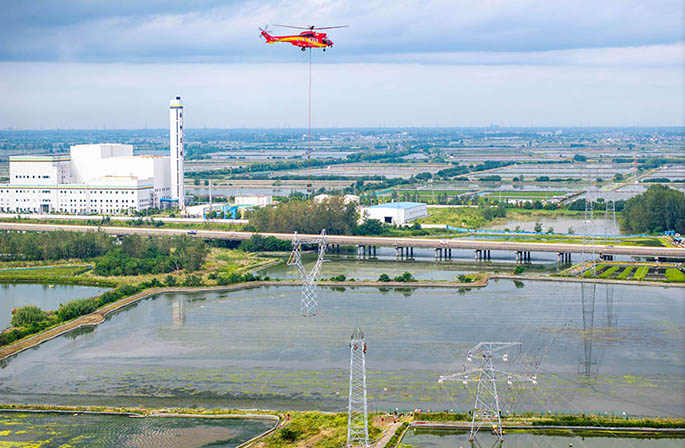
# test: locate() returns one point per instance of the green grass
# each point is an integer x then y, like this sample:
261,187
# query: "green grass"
53,274
594,273
626,272
313,429
609,272
525,194
468,217
675,275
641,272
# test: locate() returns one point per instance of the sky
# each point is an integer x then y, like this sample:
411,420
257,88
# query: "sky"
72,64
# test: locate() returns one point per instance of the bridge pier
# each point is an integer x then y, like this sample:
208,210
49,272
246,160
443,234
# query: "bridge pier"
606,257
449,253
411,252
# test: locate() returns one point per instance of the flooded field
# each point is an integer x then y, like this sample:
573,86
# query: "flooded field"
604,349
41,295
452,439
115,431
561,224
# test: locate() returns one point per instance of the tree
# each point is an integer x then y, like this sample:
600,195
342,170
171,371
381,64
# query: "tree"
28,315
580,158
658,209
384,278
538,227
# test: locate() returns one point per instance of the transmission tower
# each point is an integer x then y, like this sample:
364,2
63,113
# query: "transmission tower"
486,408
357,420
588,228
308,304
609,217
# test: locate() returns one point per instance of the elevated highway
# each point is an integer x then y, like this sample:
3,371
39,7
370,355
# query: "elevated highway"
438,244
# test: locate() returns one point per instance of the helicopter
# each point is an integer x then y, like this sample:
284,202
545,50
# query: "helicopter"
306,39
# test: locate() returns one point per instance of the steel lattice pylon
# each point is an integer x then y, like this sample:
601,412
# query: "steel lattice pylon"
486,408
357,420
308,304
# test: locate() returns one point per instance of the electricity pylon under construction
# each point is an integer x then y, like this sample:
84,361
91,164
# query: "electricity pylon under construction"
357,415
486,408
308,304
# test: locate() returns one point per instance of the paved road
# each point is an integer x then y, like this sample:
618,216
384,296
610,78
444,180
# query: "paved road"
371,240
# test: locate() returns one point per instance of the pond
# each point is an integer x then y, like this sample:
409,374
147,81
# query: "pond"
88,430
561,224
603,349
42,295
451,439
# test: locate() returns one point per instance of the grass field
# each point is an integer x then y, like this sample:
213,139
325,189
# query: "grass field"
628,271
675,275
641,272
608,272
468,217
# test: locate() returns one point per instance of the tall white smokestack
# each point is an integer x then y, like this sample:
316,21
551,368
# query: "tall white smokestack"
176,150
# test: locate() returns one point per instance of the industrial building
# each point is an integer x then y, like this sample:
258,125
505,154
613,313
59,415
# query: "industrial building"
98,178
398,213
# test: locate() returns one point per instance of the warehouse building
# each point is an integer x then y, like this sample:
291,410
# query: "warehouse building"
398,213
96,178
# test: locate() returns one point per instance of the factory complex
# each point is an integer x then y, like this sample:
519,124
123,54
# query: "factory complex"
98,178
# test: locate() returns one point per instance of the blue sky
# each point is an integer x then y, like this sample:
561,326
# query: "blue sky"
93,64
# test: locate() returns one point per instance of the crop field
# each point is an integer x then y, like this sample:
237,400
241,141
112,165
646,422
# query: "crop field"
618,271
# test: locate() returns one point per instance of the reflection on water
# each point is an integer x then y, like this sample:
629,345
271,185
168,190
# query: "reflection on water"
115,431
451,439
252,349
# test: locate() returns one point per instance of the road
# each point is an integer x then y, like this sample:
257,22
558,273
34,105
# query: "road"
426,243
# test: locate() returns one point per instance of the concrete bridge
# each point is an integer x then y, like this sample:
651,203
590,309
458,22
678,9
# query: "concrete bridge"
404,247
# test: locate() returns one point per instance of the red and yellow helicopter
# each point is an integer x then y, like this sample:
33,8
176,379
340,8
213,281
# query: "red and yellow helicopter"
306,39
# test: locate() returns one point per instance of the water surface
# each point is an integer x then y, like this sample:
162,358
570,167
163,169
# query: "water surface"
88,430
603,349
41,295
453,439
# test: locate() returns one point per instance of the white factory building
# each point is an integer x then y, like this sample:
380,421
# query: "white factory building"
97,178
398,213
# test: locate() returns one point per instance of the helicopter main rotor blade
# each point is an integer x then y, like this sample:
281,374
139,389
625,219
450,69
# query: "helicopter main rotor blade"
330,27
296,27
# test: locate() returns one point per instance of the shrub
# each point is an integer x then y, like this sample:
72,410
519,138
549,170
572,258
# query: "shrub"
28,315
519,270
405,277
384,278
170,280
463,278
289,434
192,280
76,308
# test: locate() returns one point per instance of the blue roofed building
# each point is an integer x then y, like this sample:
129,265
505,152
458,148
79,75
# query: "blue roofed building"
398,213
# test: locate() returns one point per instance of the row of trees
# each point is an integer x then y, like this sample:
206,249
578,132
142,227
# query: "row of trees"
147,255
53,245
134,255
658,209
331,214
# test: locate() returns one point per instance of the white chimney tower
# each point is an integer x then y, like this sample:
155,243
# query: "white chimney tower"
176,149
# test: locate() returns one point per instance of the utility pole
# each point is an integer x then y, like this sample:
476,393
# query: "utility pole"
308,303
486,408
357,412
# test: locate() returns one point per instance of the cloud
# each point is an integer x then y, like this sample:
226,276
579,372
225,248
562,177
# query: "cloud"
216,31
